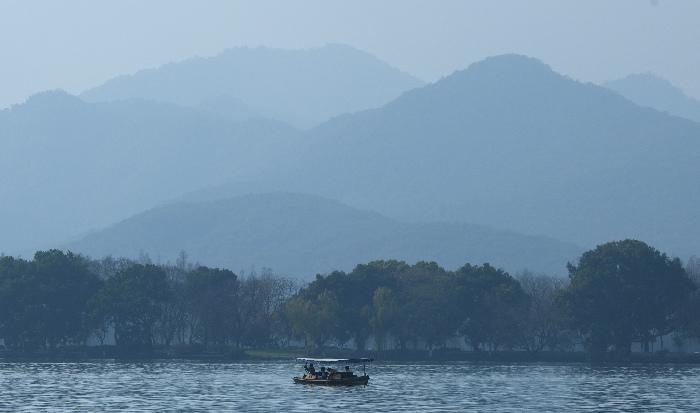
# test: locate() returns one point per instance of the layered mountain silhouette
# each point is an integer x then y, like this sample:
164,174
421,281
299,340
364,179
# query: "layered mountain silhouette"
301,235
506,143
67,166
301,87
649,90
511,144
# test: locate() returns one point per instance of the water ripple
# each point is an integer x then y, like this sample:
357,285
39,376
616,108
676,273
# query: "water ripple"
193,386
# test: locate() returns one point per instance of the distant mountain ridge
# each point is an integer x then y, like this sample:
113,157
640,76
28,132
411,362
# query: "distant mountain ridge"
511,144
67,166
301,87
647,89
301,235
506,144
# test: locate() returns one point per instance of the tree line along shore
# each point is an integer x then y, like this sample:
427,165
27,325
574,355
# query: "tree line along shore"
619,295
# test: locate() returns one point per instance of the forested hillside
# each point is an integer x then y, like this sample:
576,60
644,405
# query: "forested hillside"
302,235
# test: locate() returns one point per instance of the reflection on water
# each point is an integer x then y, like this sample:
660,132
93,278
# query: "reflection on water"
185,386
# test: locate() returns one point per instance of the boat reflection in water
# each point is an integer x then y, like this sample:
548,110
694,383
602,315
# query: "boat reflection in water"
332,372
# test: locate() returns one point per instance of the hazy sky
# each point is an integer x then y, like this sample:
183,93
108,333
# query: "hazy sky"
76,44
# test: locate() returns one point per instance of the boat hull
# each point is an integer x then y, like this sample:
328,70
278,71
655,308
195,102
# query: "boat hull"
355,381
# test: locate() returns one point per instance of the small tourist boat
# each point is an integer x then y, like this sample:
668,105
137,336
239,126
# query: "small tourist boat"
328,372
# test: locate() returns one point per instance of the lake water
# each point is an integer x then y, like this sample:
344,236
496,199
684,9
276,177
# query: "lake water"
267,387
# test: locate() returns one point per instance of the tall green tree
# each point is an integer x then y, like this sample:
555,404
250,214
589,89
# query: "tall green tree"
427,310
626,291
385,315
492,306
354,293
691,313
132,302
314,318
18,320
45,301
358,294
212,299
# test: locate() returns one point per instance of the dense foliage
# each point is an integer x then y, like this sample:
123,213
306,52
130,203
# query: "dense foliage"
619,293
626,291
64,299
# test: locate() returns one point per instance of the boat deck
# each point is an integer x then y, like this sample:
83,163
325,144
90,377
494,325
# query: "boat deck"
354,381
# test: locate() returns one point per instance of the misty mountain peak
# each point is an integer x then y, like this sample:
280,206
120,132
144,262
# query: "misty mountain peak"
649,80
506,139
511,61
345,49
508,70
49,100
496,87
651,90
300,87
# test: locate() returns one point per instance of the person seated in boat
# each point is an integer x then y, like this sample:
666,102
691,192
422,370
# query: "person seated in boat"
347,369
324,373
311,370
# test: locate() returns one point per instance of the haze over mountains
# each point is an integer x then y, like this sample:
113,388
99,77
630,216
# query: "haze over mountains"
68,166
302,235
511,144
652,91
301,87
506,144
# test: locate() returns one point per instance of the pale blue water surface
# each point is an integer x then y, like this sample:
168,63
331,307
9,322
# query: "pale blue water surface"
267,387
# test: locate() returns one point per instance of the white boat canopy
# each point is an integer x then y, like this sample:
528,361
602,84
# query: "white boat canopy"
349,361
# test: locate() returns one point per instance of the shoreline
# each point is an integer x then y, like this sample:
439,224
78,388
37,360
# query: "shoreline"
238,355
